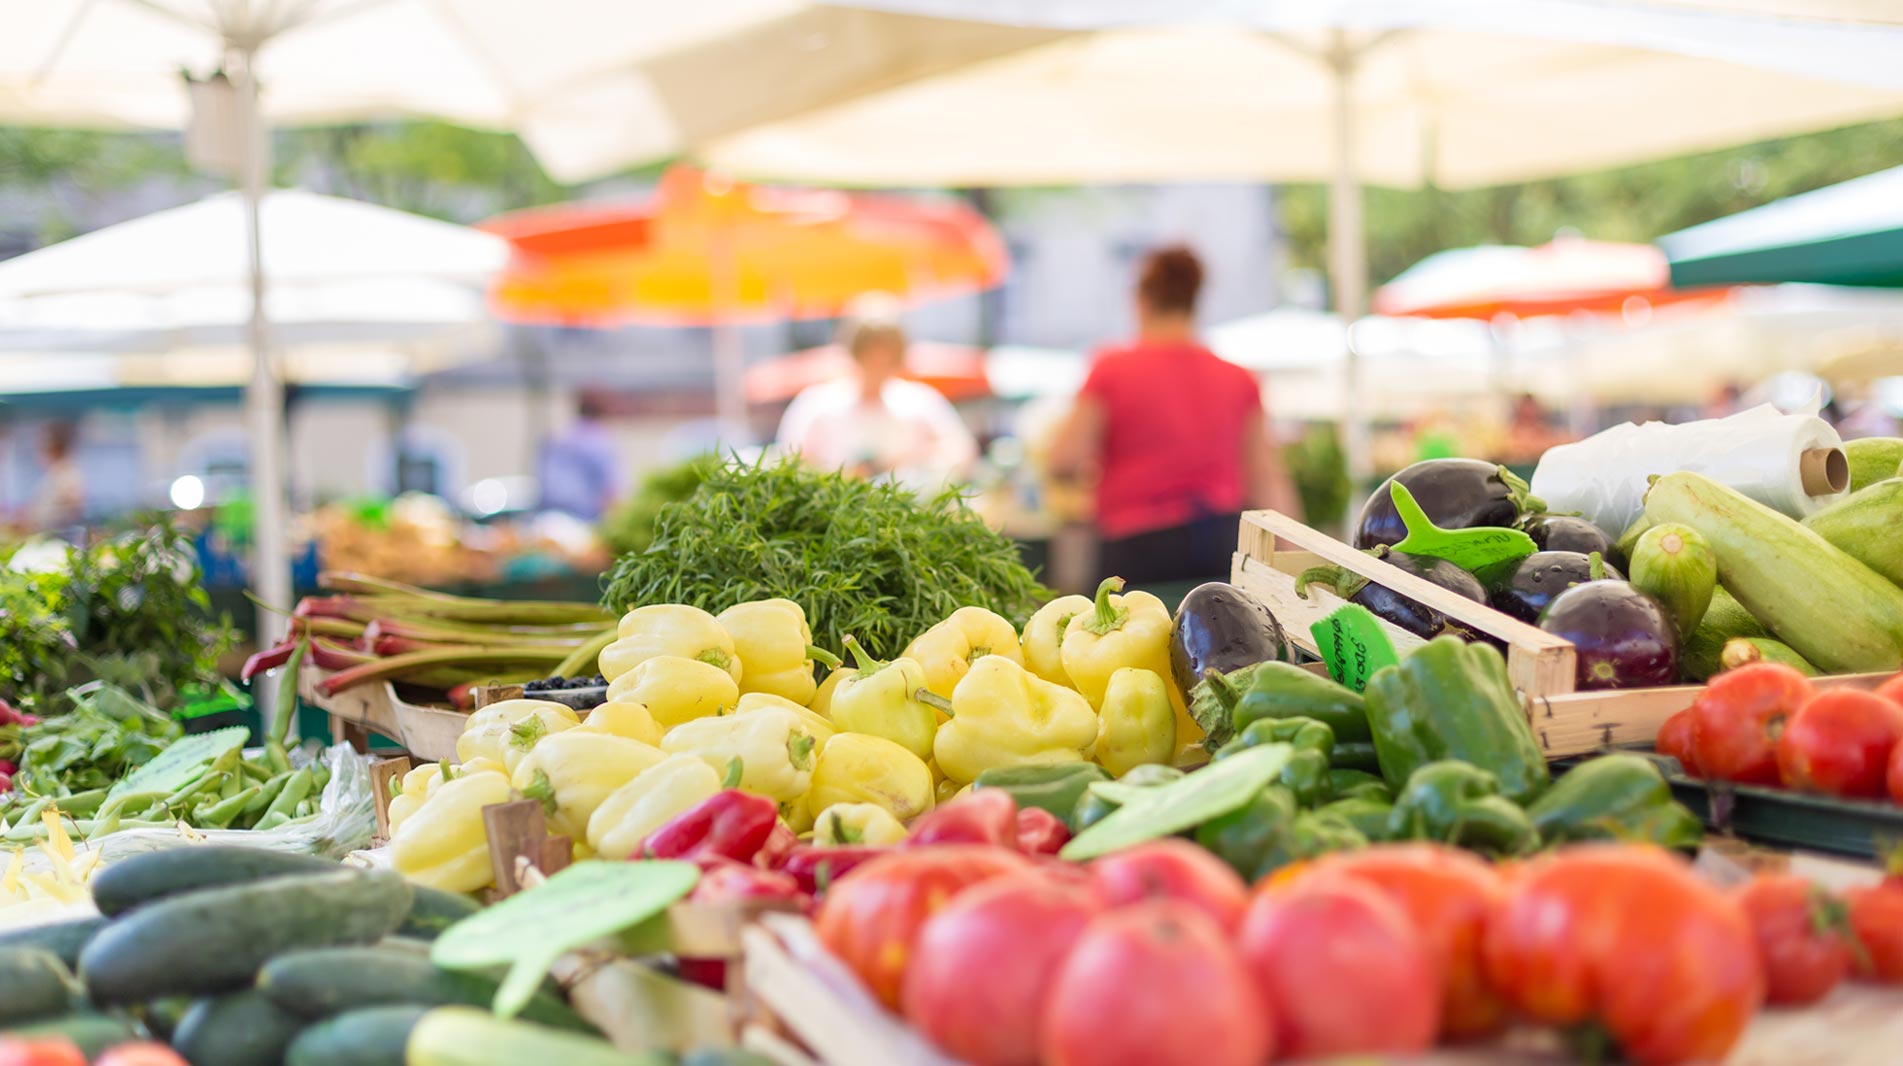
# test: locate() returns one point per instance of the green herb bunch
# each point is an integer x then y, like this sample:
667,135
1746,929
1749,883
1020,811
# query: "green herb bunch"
629,525
130,609
104,735
866,559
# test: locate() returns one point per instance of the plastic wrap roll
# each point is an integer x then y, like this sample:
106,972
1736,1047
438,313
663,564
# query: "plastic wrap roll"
1791,463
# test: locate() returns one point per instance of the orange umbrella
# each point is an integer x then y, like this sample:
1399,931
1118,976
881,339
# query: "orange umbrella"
956,370
707,251
1570,274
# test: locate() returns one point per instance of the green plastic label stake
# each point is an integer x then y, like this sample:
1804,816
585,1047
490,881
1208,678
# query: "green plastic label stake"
1470,549
1354,645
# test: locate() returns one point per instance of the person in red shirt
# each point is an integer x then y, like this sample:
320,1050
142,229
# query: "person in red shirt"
1175,437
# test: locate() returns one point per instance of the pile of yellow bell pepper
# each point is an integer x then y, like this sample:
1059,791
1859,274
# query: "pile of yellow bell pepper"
700,702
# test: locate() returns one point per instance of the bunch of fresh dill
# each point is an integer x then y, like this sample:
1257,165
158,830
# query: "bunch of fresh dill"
863,558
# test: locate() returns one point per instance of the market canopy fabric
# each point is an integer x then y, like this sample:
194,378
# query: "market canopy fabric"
1850,233
1560,277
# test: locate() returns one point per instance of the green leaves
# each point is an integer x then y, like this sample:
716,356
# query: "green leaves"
863,558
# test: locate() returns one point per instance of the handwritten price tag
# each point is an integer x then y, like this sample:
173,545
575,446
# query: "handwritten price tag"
1353,644
1470,549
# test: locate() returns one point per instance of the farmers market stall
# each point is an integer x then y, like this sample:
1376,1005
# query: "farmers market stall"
828,779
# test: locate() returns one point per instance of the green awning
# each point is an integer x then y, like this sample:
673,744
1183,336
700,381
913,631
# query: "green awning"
1845,234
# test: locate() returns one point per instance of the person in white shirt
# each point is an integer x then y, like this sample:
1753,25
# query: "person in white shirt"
876,423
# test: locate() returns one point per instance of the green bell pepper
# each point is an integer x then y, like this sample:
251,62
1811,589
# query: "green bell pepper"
1268,833
1454,802
1453,700
1369,815
1306,773
1052,788
1344,784
1094,806
1281,690
1615,797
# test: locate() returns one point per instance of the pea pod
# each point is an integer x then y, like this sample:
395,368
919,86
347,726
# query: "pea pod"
221,814
294,792
268,794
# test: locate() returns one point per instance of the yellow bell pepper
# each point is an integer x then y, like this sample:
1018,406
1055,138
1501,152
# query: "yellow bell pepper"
943,788
773,745
650,801
1004,715
823,729
444,844
797,816
1120,631
776,647
859,768
408,792
478,765
822,704
947,650
669,629
676,690
880,700
863,824
511,726
623,718
1043,640
573,772
1136,724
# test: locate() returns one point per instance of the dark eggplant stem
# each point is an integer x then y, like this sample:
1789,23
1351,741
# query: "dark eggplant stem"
1337,579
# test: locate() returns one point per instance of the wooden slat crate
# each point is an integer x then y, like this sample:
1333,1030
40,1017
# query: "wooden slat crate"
429,733
1273,549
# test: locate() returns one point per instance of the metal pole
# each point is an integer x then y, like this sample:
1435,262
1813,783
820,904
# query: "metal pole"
730,362
264,397
1348,261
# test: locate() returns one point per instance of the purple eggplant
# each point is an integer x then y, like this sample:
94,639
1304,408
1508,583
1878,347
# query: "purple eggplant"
1454,493
1410,615
1624,638
1531,584
1220,627
1567,533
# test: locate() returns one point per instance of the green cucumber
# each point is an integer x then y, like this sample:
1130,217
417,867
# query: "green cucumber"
1868,525
91,1031
163,1016
1741,651
466,1036
1674,565
1837,612
213,941
1702,655
1873,459
433,911
243,1029
63,939
33,984
161,874
373,1036
327,981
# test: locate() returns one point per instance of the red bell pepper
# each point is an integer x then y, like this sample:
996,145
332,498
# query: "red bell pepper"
723,880
817,868
733,824
981,816
779,843
1040,832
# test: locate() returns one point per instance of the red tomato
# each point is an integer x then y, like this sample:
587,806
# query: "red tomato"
1675,739
1154,984
1447,894
1896,774
1840,744
1311,947
1626,936
1892,689
985,964
872,916
1736,721
1804,937
1173,869
1876,912
139,1053
55,1051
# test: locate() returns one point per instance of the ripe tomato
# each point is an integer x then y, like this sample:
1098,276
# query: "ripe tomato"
872,916
1626,936
1876,912
1892,689
1804,936
139,1053
1676,739
1309,947
1154,984
985,964
1173,869
1896,774
52,1051
1840,744
1736,721
1447,894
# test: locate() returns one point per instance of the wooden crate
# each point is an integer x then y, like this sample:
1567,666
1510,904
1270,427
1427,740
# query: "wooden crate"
429,733
1273,549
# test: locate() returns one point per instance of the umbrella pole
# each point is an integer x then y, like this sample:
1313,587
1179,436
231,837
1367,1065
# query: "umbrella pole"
1348,264
730,361
264,397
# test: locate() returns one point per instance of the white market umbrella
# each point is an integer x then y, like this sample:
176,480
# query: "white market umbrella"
189,278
